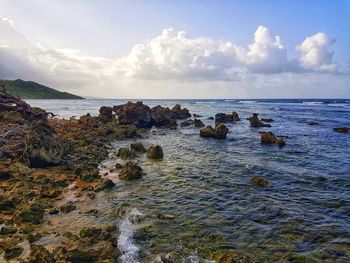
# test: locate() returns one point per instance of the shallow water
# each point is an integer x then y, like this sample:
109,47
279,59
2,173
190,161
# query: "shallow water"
205,184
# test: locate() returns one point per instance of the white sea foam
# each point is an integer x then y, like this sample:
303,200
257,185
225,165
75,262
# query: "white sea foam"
125,242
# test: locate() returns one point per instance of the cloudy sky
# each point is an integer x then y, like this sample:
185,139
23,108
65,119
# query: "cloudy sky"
179,49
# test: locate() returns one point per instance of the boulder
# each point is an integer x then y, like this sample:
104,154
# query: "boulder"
259,181
196,115
180,113
155,152
341,130
137,147
219,132
103,184
270,138
7,230
198,123
106,114
223,117
33,215
125,153
13,252
163,116
255,122
130,171
92,232
187,123
211,118
67,208
40,254
134,113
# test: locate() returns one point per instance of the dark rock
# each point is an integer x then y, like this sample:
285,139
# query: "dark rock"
259,181
125,153
165,217
180,113
106,114
155,152
67,208
255,122
13,252
91,232
198,123
341,130
211,118
162,116
54,211
196,115
104,184
187,123
312,123
33,215
219,132
270,138
118,166
8,204
4,175
134,113
223,117
137,147
226,257
7,230
130,171
39,254
267,120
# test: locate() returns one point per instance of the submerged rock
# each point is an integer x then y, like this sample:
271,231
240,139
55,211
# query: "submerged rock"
312,123
67,208
155,152
124,153
259,181
165,217
7,230
13,252
103,184
219,132
342,130
137,147
40,254
130,171
223,117
226,257
267,120
270,138
255,122
33,214
196,123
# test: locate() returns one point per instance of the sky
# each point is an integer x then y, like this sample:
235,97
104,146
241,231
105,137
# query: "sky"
179,49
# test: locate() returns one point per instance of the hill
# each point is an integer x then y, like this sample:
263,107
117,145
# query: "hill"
33,90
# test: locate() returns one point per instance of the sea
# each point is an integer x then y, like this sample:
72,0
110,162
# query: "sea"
203,185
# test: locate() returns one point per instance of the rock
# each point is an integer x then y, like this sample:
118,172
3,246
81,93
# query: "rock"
134,113
118,166
198,123
341,130
155,152
106,114
12,117
187,123
8,204
163,116
180,113
137,147
33,215
259,181
91,232
312,123
162,259
40,254
255,122
219,132
223,117
165,217
211,118
4,175
196,115
7,230
54,211
104,184
13,252
267,120
226,257
130,171
67,208
124,153
270,138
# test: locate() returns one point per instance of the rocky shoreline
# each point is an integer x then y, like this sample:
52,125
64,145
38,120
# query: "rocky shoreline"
40,157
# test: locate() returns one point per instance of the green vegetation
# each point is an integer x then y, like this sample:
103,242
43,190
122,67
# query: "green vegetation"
33,90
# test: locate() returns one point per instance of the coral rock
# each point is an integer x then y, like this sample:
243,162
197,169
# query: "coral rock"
155,152
130,171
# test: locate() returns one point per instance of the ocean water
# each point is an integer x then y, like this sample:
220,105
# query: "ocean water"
204,183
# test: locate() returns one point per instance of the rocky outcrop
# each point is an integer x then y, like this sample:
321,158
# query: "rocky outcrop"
219,132
130,171
223,117
155,152
163,116
342,130
134,113
270,138
106,114
180,113
255,122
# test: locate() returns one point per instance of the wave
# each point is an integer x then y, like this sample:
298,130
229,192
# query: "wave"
127,229
205,102
247,101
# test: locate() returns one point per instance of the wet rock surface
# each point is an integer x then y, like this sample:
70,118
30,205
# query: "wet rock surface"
256,123
223,117
270,138
342,130
155,152
130,171
219,132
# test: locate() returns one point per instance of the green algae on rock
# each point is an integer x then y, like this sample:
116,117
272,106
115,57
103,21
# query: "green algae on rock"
155,152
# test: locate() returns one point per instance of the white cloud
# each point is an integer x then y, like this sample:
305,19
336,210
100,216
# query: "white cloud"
315,54
168,58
